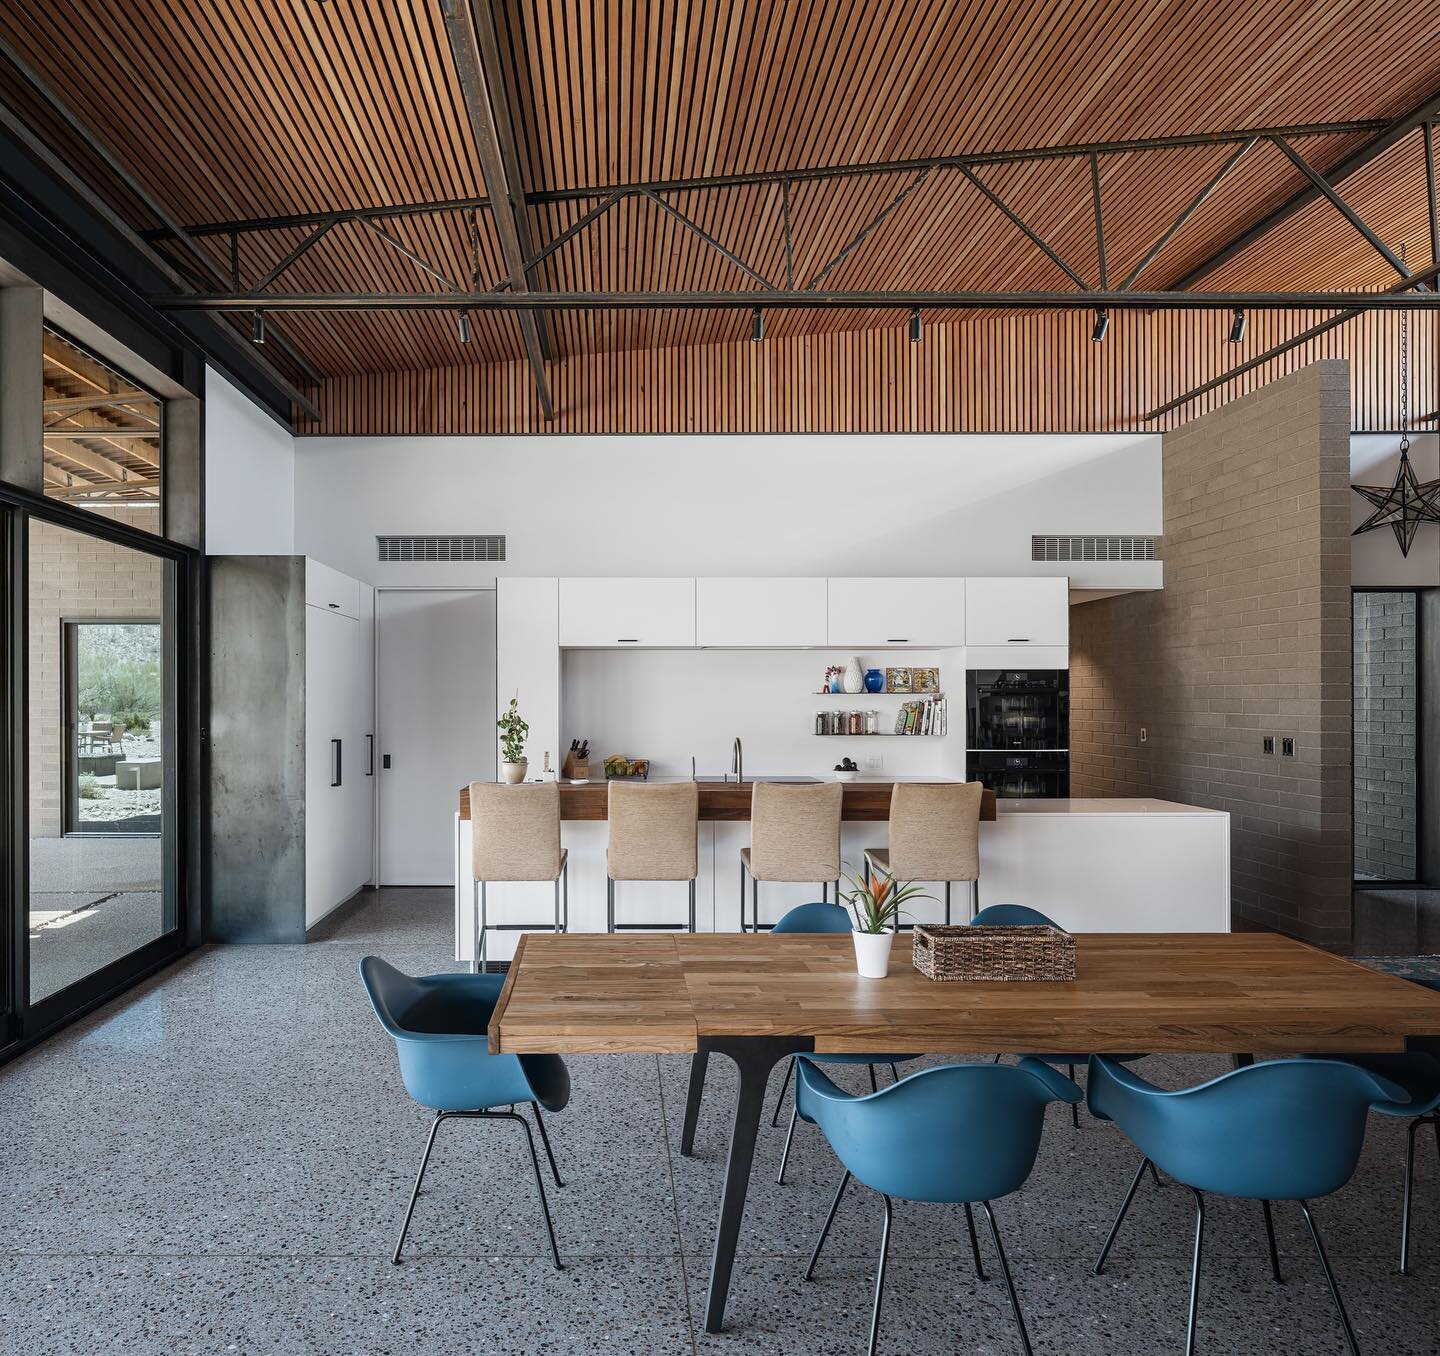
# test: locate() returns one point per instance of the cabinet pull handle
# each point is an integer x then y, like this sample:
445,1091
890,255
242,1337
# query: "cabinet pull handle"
334,605
1018,640
369,755
628,640
898,640
334,762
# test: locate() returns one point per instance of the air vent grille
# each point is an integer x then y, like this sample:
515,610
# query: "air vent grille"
440,548
1092,548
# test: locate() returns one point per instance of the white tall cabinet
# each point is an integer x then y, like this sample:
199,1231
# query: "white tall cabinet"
292,762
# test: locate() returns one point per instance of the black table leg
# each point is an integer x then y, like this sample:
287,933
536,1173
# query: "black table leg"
693,1094
754,1056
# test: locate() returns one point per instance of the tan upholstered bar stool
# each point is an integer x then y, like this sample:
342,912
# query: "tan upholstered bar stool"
652,836
934,835
515,836
794,836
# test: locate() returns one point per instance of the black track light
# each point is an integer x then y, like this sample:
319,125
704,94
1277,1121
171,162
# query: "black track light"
916,325
464,322
1102,326
757,325
1237,326
257,328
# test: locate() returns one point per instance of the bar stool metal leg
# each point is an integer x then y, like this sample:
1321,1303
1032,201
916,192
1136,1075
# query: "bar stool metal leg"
565,893
754,904
609,903
692,906
557,903
474,927
947,903
743,928
484,926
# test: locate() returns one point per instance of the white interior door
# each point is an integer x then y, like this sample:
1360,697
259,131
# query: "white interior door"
435,694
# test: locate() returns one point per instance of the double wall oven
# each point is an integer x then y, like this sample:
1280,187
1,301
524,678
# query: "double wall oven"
1017,731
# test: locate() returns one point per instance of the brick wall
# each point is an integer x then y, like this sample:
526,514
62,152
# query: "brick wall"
1385,729
1250,636
75,577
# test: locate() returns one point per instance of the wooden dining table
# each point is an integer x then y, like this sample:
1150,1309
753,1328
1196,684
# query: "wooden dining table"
760,998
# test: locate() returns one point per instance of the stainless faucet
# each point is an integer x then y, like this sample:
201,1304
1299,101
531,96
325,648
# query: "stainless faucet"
737,761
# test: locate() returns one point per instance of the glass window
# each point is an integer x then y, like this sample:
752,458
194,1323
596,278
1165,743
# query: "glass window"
1386,697
101,758
102,435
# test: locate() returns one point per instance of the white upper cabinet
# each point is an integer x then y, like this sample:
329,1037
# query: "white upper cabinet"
331,590
869,613
601,613
1017,613
760,613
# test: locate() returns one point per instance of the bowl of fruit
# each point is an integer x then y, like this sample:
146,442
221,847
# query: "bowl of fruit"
846,770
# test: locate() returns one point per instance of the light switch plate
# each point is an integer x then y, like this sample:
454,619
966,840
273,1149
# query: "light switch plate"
874,763
1268,744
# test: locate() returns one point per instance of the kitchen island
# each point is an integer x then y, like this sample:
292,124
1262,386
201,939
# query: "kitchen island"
1123,865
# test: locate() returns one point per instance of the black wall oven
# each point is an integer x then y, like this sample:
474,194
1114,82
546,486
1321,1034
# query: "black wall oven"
1017,727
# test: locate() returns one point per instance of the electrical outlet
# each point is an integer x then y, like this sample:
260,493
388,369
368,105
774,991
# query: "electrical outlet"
874,763
1287,747
1268,744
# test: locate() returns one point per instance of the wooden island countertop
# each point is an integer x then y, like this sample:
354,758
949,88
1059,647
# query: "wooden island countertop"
865,800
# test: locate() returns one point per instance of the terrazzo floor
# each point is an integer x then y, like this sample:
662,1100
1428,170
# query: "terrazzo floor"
219,1163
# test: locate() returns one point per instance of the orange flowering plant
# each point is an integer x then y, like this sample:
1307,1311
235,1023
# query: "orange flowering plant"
875,900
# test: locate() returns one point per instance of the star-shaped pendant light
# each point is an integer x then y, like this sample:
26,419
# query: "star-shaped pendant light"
1403,506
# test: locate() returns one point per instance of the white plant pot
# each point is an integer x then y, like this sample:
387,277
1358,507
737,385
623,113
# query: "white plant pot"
512,774
872,953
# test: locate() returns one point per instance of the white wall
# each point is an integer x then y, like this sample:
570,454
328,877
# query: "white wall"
725,505
670,705
249,476
1375,557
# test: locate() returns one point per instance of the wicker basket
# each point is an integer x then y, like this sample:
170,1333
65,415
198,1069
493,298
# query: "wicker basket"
994,953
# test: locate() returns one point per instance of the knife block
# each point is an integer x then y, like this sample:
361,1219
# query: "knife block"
575,769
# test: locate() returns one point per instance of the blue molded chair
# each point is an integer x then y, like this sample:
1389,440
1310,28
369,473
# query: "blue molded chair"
1284,1130
1023,916
821,918
441,1028
1419,1075
954,1135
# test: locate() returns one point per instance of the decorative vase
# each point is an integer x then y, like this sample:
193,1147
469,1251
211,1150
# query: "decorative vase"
835,682
874,680
854,677
872,953
512,774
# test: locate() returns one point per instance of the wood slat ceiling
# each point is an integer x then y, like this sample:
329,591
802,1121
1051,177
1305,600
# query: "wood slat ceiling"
238,108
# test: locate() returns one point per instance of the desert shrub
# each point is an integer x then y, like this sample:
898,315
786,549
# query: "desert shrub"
88,787
135,722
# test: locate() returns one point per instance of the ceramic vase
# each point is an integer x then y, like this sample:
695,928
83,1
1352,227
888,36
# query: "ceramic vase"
874,680
872,953
512,774
854,677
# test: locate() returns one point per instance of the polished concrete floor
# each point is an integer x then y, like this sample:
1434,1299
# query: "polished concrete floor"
219,1163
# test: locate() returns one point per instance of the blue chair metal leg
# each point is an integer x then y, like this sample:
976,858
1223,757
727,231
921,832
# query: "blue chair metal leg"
419,1177
1330,1280
1410,1188
894,1074
829,1220
974,1243
545,1140
874,1083
1074,1106
1120,1218
1009,1283
1270,1238
789,1140
1195,1272
785,1083
880,1276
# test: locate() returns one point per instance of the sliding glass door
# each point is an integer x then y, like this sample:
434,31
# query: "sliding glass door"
99,706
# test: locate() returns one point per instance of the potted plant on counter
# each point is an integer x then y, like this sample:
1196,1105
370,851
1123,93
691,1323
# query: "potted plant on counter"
513,730
875,901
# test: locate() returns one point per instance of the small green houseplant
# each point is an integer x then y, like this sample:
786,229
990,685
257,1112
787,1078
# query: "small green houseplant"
875,902
513,730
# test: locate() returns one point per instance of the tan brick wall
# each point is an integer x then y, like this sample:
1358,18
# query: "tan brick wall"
1250,636
73,577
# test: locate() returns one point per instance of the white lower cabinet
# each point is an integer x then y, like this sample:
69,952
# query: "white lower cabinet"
292,748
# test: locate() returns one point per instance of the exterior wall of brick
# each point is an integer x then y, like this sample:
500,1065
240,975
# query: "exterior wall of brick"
1386,790
1249,637
72,578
